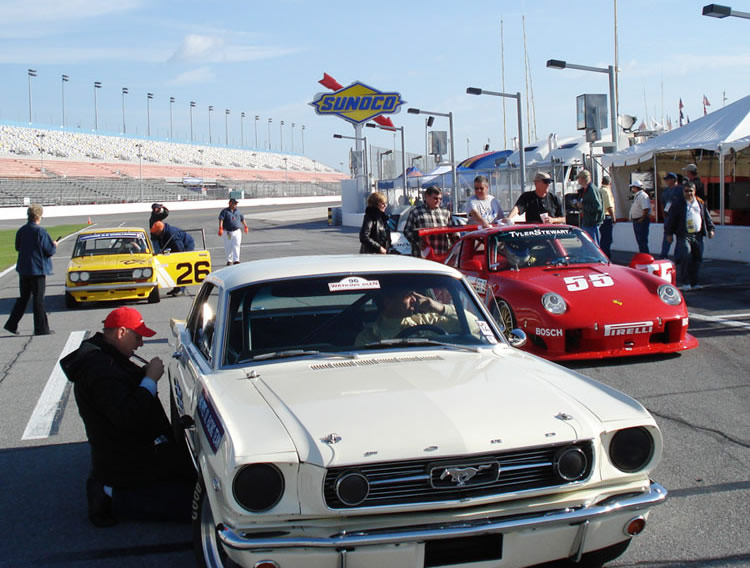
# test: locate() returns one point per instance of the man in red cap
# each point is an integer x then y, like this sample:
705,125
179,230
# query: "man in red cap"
138,470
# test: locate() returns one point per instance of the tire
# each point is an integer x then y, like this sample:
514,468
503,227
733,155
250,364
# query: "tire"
209,553
153,297
70,301
598,558
504,316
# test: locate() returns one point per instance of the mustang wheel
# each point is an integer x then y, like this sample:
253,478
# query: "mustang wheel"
70,301
209,552
153,297
504,316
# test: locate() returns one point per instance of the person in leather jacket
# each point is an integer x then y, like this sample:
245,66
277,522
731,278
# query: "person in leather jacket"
375,235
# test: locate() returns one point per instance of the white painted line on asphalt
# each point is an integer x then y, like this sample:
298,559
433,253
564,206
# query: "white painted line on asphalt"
721,320
40,423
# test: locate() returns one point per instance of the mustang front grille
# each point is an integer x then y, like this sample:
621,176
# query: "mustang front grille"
449,479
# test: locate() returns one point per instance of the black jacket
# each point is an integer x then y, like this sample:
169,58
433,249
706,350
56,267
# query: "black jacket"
374,232
676,221
122,419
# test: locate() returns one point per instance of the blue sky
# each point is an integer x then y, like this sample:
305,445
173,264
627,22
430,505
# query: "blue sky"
265,58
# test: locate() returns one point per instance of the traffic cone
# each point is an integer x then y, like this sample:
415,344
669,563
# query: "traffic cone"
89,221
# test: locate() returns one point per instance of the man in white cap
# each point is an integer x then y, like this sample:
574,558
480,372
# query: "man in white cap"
640,211
691,172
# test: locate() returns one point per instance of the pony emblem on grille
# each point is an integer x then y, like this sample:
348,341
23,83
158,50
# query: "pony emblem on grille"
461,475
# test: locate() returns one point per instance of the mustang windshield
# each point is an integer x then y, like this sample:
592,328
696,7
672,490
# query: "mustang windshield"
335,314
548,246
110,243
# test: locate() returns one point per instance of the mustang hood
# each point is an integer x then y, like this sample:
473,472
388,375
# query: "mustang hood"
428,403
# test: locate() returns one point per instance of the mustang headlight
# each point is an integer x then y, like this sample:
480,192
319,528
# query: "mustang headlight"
85,276
137,273
74,276
258,487
554,303
631,449
147,272
669,295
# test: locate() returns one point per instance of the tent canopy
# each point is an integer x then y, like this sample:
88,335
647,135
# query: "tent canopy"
723,130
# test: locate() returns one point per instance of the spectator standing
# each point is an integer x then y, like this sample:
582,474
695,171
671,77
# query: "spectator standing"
231,222
537,203
671,193
691,171
158,213
608,203
593,211
138,470
482,208
35,249
690,221
172,239
375,235
640,212
428,215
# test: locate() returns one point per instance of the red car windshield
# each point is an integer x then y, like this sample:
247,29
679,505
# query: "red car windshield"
542,246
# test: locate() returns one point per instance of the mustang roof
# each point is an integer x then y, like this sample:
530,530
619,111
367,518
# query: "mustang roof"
298,266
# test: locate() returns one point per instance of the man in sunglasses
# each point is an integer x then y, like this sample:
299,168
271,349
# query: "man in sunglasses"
540,205
428,215
689,221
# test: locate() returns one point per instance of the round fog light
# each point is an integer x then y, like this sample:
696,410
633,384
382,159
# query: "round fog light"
352,488
570,463
635,526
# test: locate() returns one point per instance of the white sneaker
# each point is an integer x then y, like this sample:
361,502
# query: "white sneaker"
686,287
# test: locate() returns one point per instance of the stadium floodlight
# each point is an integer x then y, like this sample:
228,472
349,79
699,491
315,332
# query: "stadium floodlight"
281,136
303,139
521,150
269,134
454,177
31,73
65,79
227,112
124,92
719,11
242,130
192,106
257,118
210,108
149,96
97,85
171,102
292,138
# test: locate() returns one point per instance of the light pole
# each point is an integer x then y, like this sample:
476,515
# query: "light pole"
65,79
303,139
97,85
171,103
269,133
149,96
719,11
286,177
192,106
292,138
140,168
124,92
414,159
380,162
365,160
281,136
210,108
403,149
227,112
558,64
454,177
521,149
32,73
242,129
41,150
257,118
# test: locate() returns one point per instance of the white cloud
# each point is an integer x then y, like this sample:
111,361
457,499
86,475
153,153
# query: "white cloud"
197,48
35,11
195,76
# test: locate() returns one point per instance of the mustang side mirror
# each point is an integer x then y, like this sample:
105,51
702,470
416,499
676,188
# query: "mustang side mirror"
517,338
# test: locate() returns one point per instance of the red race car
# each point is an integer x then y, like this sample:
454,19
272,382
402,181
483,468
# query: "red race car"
557,286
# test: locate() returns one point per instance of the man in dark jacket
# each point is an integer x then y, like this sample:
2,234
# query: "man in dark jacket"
172,239
138,470
593,211
158,213
690,221
374,234
35,249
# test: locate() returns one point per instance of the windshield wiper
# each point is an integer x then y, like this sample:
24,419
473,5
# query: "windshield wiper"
300,353
418,341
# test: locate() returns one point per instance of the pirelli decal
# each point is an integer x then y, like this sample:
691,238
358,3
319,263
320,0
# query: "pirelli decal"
210,421
634,328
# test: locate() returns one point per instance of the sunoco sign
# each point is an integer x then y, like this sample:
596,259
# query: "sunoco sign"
357,103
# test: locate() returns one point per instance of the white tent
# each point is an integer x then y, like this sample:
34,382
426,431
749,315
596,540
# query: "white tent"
722,131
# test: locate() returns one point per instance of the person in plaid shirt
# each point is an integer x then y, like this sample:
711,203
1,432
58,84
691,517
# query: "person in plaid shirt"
428,215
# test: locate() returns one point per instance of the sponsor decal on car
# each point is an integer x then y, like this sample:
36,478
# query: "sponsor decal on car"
634,328
538,233
353,283
547,332
210,422
479,284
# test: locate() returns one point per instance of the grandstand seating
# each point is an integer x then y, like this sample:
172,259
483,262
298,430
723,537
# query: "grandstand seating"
56,166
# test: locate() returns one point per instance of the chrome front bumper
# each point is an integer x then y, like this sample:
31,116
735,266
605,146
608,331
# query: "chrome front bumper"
244,540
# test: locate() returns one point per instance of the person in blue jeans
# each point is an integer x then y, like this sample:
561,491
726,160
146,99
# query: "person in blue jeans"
669,194
640,212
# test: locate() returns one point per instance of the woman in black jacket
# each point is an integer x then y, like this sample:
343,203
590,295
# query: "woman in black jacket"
375,235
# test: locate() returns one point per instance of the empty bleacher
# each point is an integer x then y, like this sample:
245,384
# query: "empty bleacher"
60,167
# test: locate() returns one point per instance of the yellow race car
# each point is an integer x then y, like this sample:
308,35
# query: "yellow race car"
120,264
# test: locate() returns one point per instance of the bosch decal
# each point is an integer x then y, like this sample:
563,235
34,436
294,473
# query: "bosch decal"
357,103
628,328
544,332
210,422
